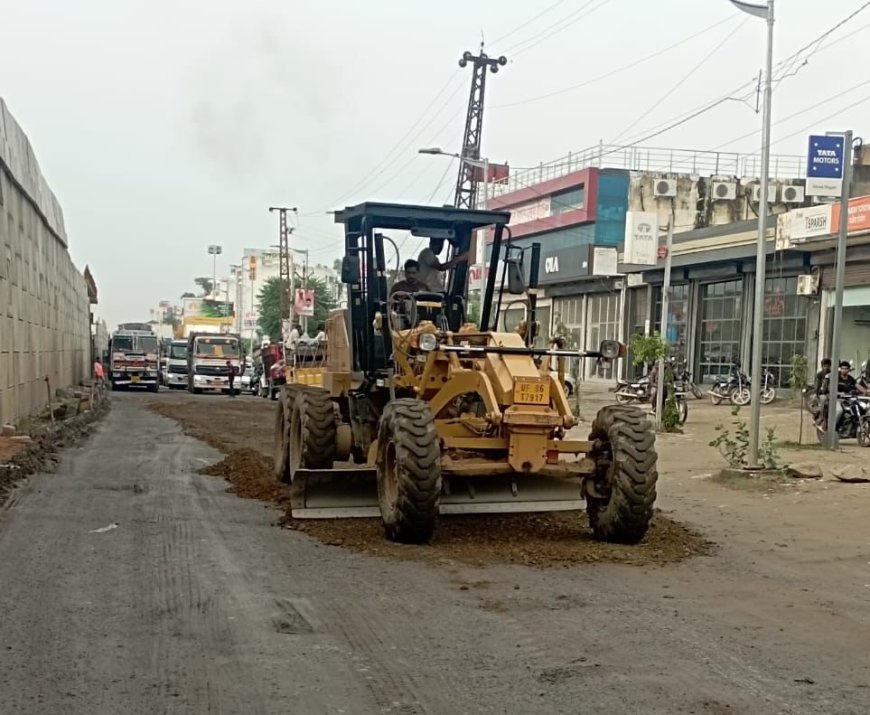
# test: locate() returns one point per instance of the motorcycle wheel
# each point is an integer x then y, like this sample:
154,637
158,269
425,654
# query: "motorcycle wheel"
740,396
715,397
768,395
864,432
624,398
696,391
683,408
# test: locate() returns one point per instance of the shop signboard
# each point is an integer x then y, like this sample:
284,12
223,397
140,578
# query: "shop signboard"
641,238
825,164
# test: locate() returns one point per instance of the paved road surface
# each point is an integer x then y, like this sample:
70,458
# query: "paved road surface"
195,603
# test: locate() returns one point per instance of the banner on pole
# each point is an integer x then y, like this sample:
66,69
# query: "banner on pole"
641,238
826,158
303,305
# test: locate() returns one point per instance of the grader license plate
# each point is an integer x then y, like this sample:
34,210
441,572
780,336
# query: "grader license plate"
528,392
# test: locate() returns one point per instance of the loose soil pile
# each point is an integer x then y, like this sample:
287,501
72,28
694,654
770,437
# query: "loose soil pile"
19,460
557,539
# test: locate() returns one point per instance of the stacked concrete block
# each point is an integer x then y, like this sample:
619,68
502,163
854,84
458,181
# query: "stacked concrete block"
44,307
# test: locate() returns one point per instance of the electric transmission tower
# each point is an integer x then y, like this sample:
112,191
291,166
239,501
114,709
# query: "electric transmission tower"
468,182
285,276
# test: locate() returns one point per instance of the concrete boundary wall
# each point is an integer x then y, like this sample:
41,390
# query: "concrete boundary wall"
44,305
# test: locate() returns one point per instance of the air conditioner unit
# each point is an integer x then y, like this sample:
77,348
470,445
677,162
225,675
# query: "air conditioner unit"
807,284
665,188
793,194
723,191
772,193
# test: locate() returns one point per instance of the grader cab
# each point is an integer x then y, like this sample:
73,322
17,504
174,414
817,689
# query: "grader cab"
417,411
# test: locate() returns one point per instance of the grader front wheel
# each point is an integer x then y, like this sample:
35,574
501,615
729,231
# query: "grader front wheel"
312,432
409,471
619,500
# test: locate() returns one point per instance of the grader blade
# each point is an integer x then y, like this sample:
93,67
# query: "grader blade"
508,494
335,493
353,493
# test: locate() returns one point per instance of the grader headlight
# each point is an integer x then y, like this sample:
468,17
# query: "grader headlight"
428,342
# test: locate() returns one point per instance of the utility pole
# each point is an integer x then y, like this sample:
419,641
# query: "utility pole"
285,274
304,251
467,183
666,295
836,342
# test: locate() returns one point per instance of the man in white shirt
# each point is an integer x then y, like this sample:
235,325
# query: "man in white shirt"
432,269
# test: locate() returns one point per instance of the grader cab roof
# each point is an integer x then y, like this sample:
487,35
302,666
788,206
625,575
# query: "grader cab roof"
417,219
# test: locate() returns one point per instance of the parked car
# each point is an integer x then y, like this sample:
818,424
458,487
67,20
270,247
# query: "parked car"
247,380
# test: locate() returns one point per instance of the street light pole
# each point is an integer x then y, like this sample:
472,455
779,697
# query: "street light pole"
761,252
480,164
214,251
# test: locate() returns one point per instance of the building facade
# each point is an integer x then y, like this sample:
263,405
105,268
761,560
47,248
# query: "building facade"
578,215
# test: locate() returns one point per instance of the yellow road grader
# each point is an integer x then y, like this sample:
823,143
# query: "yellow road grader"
413,411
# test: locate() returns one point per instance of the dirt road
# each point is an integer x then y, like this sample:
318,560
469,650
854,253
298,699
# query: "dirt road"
197,603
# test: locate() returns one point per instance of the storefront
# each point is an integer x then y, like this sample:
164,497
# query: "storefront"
710,312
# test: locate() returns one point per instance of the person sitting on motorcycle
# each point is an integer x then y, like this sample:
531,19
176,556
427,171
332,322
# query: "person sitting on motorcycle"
822,374
846,385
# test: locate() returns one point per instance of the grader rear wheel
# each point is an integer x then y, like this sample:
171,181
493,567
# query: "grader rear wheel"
409,471
619,500
312,432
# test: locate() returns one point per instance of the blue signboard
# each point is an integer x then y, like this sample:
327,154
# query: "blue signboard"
826,157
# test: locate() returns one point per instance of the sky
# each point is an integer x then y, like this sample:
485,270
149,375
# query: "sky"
164,127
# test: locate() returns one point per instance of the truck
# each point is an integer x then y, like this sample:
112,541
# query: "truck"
134,358
209,358
272,373
176,365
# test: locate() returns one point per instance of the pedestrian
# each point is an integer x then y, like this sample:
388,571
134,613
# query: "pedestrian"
232,377
99,373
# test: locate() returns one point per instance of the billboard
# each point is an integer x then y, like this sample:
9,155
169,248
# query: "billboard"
304,302
206,308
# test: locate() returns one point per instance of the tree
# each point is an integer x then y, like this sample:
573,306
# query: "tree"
187,294
270,306
647,350
206,284
799,379
170,318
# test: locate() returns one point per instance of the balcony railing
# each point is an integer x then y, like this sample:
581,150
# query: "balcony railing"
654,159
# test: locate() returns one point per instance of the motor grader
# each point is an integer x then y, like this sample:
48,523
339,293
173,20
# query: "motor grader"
415,411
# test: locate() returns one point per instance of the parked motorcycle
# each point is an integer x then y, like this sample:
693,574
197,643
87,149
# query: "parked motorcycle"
736,388
630,392
684,376
853,419
680,398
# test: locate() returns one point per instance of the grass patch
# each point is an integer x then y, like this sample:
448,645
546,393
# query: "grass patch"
806,446
757,481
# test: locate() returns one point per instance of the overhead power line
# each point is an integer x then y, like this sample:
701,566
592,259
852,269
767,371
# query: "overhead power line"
390,157
528,22
781,70
681,81
557,27
616,71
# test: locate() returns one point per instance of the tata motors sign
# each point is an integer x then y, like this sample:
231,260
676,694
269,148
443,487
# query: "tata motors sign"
641,238
825,163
